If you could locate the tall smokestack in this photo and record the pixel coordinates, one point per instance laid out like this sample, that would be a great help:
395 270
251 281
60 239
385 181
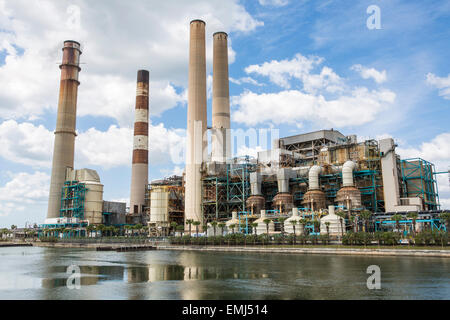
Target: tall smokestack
139 170
221 100
63 152
196 124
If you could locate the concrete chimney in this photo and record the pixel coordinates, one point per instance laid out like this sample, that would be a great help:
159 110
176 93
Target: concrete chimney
221 149
64 146
196 122
139 169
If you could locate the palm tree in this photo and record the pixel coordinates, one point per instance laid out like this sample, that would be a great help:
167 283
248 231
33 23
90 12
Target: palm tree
303 222
413 216
267 222
196 224
294 222
174 225
189 223
205 227
282 220
316 224
214 225
232 226
342 215
254 226
327 224
397 218
365 216
222 227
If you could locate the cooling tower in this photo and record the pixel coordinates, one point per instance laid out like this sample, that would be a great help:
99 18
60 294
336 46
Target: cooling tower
63 152
139 169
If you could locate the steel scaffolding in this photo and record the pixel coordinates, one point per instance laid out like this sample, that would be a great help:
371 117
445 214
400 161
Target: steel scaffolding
72 200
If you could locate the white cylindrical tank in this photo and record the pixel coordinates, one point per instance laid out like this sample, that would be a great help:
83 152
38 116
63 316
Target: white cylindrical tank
334 227
93 201
159 205
234 220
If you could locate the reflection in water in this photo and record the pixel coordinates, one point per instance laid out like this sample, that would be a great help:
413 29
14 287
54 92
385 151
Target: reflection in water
40 273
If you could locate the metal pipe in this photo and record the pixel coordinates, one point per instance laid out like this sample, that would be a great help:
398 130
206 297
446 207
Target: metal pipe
347 173
64 146
139 169
313 176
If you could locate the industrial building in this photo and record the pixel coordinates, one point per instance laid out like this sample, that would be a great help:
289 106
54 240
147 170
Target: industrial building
305 175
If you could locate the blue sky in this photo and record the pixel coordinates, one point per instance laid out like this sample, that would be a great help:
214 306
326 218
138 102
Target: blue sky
295 66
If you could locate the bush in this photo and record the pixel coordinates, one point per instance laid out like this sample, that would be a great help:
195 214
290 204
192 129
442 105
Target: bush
49 239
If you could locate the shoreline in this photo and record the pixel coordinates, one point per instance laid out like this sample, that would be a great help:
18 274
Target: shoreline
443 253
333 251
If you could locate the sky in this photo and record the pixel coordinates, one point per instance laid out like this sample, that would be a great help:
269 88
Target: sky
295 66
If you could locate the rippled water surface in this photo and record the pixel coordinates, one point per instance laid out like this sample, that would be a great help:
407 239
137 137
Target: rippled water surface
40 273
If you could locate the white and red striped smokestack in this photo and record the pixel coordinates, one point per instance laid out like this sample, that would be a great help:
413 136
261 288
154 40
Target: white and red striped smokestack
139 170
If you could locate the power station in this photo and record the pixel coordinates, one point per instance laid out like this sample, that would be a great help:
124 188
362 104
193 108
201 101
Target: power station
308 174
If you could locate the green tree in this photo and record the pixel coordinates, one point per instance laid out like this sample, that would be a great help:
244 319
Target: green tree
254 226
327 225
365 216
341 214
196 224
303 222
281 221
294 223
397 218
181 229
413 216
232 226
222 227
445 216
267 222
174 226
214 225
189 222
205 227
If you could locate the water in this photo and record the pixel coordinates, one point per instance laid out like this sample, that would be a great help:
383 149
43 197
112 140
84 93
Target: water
40 273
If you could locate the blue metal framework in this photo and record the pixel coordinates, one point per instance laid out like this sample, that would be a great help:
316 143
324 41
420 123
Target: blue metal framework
419 181
238 183
436 224
73 195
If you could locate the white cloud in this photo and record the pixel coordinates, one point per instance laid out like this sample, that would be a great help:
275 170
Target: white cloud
248 80
300 67
32 145
367 73
22 190
275 3
111 53
26 143
443 84
360 107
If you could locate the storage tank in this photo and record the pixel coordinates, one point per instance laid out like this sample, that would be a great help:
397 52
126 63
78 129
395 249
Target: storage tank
289 228
93 203
334 227
262 227
159 205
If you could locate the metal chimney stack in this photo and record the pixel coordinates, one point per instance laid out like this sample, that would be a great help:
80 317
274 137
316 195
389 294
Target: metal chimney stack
64 147
221 100
139 170
196 123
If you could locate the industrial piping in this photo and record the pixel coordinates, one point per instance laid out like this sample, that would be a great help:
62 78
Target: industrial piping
139 170
221 100
314 177
347 173
64 147
197 122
